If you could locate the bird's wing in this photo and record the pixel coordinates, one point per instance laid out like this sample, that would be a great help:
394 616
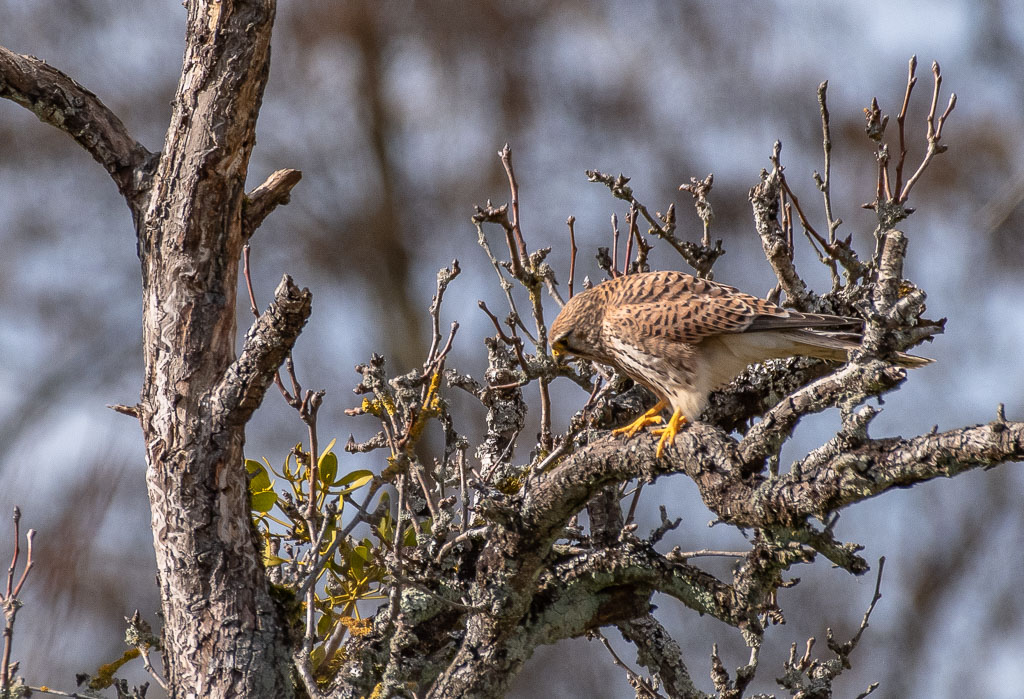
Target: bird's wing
678 307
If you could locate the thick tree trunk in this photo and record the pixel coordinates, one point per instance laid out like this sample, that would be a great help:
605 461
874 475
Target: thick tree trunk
221 633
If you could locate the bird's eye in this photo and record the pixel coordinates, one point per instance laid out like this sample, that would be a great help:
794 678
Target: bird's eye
559 346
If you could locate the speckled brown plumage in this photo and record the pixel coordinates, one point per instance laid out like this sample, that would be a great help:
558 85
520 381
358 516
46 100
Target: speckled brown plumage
682 337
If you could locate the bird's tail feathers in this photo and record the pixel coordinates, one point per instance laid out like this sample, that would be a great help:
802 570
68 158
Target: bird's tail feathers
836 347
912 361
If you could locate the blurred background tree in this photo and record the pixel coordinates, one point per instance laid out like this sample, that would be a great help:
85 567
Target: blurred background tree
394 112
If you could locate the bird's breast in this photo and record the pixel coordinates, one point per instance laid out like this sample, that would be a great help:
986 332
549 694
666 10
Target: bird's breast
672 372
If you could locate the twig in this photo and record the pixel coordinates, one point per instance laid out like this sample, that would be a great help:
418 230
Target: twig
764 199
665 527
59 693
787 191
614 269
545 414
362 515
129 410
824 182
901 121
506 286
467 535
310 407
934 133
661 655
437 364
9 600
632 505
620 189
833 249
642 246
313 553
289 365
274 192
556 453
787 223
572 253
518 251
308 413
289 398
700 189
302 665
430 593
638 682
444 277
148 666
630 227
248 281
497 324
701 258
850 645
871 688
709 552
463 494
514 342
425 481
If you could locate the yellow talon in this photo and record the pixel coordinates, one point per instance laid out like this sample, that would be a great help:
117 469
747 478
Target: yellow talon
669 431
651 417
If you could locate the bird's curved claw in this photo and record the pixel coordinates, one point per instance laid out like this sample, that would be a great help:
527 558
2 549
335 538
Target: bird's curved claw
669 431
651 417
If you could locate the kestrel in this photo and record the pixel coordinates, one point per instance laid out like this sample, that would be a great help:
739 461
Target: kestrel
682 337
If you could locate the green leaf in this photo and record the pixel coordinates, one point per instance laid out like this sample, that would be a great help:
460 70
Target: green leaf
384 527
327 449
356 563
324 625
260 482
355 481
327 468
271 560
259 479
264 500
288 473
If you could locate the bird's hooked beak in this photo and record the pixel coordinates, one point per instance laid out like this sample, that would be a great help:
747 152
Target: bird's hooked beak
560 347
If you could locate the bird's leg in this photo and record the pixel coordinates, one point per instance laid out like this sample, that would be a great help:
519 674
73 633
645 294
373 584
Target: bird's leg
669 431
651 417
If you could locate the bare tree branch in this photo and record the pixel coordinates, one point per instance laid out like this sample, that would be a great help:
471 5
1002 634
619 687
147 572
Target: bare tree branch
240 391
765 200
64 104
274 192
660 654
712 460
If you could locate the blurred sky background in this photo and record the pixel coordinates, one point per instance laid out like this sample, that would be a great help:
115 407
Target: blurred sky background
394 112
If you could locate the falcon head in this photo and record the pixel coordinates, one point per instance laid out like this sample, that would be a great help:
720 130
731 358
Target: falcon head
577 329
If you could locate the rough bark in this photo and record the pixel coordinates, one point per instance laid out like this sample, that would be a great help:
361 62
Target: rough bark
61 102
468 605
223 635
